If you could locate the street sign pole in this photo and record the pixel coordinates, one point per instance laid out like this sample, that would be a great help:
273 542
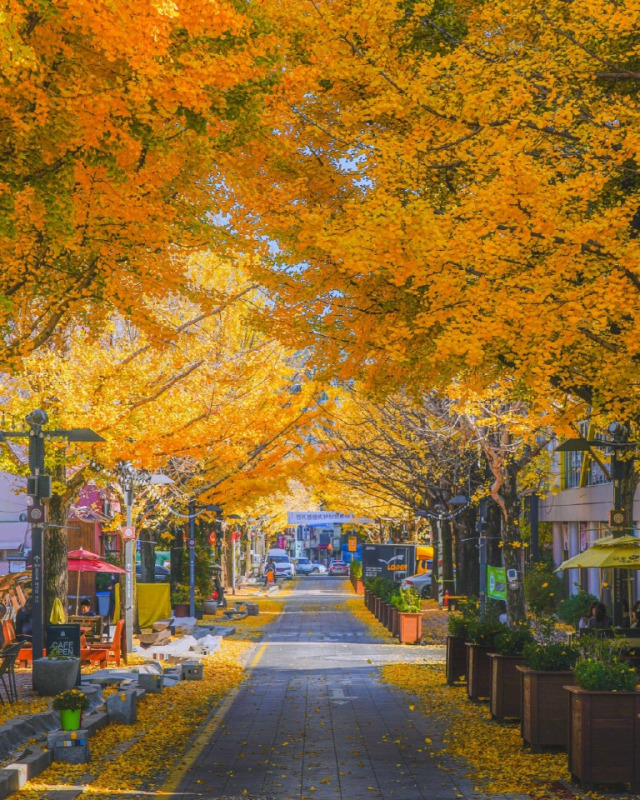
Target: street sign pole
192 558
36 465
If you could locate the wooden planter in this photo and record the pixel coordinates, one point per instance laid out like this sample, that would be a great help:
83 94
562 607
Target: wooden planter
358 585
409 627
544 707
395 623
604 737
478 671
376 607
506 693
456 659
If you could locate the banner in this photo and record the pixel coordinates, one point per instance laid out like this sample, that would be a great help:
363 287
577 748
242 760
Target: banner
324 518
392 561
496 583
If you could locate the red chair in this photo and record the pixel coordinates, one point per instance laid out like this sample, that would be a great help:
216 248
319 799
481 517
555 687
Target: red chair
114 647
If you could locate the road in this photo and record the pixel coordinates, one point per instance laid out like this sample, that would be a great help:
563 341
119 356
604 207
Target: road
314 721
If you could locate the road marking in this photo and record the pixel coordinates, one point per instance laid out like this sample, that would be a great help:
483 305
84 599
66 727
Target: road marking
338 696
209 727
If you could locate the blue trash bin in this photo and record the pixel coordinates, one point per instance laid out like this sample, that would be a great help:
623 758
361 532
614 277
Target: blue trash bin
103 603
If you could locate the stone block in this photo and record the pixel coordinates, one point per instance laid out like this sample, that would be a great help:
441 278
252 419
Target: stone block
22 772
72 747
152 684
36 761
253 609
9 782
123 707
95 721
192 671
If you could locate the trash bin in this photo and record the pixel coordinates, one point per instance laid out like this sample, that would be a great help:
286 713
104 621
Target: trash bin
103 603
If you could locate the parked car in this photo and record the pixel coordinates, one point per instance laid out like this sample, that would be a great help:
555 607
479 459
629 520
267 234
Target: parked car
421 583
338 568
305 566
162 573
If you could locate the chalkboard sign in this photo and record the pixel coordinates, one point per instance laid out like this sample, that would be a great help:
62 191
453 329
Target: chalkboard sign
63 640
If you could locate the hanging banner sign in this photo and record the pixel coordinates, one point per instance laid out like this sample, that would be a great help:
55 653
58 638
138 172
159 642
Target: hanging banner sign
324 518
496 583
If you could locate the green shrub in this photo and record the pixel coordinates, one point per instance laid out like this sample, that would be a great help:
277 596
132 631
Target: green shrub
543 589
355 569
550 657
511 641
572 608
408 602
484 630
607 676
459 621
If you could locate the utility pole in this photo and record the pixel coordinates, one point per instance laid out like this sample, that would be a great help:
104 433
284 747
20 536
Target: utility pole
192 558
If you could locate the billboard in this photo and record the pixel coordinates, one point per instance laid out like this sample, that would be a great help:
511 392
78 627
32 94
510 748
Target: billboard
391 561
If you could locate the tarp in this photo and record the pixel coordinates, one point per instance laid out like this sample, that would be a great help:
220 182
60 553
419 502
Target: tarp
154 603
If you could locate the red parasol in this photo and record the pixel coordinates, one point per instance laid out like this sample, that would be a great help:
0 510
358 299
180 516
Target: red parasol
85 561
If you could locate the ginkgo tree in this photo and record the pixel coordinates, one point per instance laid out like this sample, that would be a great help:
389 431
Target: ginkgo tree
224 409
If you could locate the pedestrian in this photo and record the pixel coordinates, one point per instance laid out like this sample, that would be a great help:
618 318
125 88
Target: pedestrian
270 573
24 622
583 624
85 609
600 621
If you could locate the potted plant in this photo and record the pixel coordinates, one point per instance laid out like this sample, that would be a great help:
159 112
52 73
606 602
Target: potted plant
409 621
547 668
71 703
355 571
604 717
506 693
482 633
180 599
458 624
54 673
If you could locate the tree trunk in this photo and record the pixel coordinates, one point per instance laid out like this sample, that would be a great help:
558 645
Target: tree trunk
55 555
447 557
467 557
147 561
435 573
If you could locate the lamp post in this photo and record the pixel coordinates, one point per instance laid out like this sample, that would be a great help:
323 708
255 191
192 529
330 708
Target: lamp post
39 488
130 480
193 512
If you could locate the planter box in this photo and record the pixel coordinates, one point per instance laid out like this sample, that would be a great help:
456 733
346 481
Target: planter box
51 676
478 671
544 707
456 659
358 585
604 737
376 607
506 692
409 627
395 622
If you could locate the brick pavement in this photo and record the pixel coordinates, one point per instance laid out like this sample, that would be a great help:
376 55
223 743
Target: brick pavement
314 721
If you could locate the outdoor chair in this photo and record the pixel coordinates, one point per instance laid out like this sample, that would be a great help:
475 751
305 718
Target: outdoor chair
25 652
114 647
8 656
96 654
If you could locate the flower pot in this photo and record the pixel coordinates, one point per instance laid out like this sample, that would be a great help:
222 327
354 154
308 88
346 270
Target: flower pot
478 671
506 690
604 737
70 719
544 707
456 659
409 627
51 676
181 610
209 607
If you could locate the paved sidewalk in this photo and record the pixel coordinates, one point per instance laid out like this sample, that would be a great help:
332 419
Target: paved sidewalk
314 721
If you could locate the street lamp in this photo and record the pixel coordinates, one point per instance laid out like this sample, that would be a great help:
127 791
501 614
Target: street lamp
131 479
39 488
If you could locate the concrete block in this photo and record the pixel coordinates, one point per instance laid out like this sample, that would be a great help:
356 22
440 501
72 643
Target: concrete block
9 782
72 747
152 684
95 722
252 609
192 671
123 707
36 760
22 771
51 676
